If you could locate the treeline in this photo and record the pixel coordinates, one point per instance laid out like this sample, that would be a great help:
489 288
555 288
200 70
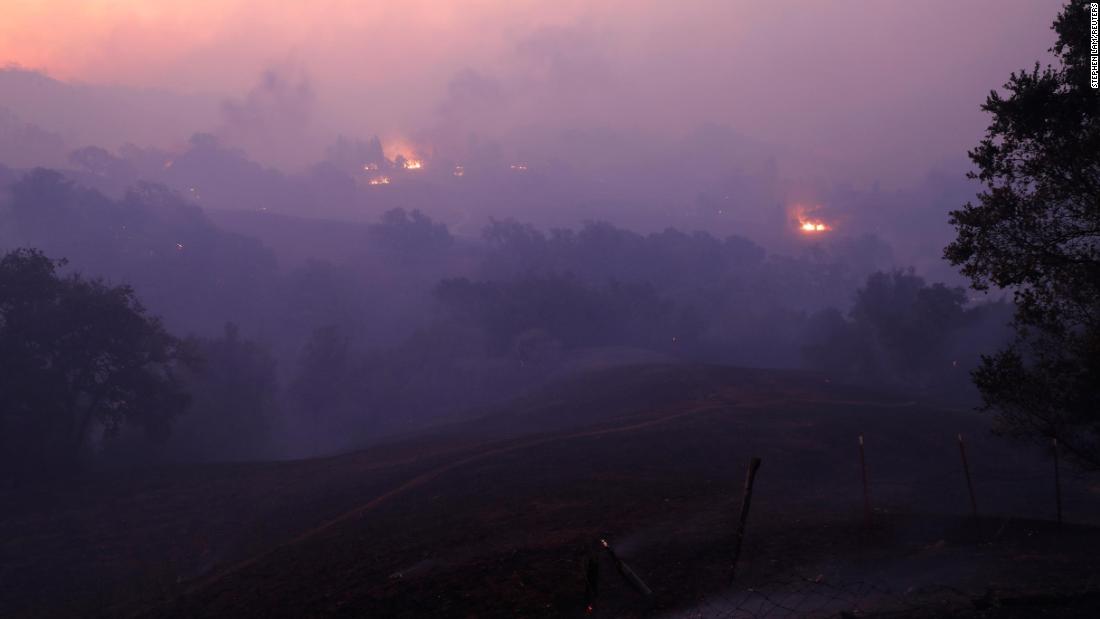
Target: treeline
902 333
419 325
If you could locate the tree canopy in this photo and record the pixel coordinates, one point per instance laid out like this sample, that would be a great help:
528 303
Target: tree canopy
1035 229
77 357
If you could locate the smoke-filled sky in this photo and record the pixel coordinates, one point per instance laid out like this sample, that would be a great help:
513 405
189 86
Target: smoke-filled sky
870 90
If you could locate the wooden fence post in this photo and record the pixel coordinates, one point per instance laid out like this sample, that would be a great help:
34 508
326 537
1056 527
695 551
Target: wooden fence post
969 483
591 581
746 501
1057 482
866 488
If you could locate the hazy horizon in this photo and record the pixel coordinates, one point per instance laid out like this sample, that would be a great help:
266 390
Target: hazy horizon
850 92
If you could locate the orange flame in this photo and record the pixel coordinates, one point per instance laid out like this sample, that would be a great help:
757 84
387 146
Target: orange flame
807 222
399 148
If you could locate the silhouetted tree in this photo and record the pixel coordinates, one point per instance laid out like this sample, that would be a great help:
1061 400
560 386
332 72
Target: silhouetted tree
830 342
77 356
569 311
322 389
410 234
672 260
911 320
235 400
905 332
1036 230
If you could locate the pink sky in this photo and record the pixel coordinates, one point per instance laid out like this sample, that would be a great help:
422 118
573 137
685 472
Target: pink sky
881 88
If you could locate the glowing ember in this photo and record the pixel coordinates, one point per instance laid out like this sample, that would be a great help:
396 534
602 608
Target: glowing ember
459 170
808 219
519 167
370 167
403 153
379 180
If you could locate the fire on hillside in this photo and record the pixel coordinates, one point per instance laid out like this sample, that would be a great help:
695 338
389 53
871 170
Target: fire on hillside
808 220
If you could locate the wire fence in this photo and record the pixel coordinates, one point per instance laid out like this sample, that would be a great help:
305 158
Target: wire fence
782 591
848 590
803 596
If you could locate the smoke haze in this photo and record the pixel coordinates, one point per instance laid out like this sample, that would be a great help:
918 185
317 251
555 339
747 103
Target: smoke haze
398 309
860 91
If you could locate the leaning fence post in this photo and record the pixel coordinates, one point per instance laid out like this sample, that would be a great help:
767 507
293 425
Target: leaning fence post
591 582
866 489
969 483
628 574
1057 482
746 501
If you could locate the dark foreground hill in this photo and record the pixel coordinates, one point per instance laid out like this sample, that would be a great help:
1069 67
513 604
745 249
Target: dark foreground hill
497 515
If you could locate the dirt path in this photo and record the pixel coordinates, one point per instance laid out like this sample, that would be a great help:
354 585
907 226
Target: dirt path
421 479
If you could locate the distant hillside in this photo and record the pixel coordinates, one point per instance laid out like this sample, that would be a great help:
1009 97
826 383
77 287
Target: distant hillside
108 116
